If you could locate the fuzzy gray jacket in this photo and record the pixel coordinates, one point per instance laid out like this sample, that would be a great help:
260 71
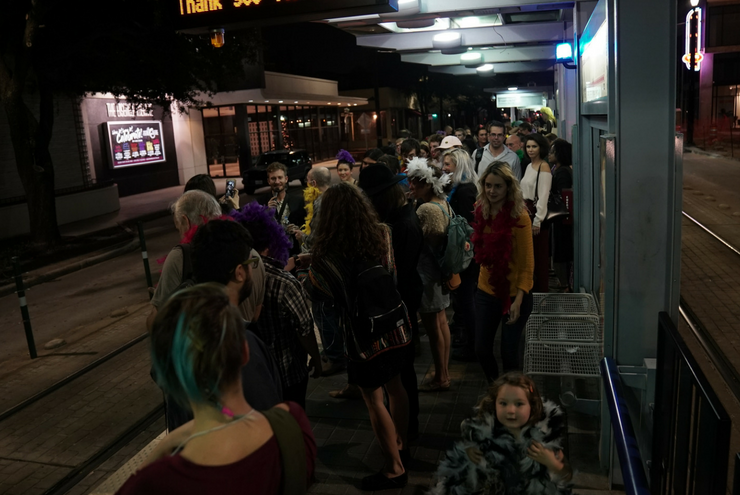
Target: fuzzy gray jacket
506 468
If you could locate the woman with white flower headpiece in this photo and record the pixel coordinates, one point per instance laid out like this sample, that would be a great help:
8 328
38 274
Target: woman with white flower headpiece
430 186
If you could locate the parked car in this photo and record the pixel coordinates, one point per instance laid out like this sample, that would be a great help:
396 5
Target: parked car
297 162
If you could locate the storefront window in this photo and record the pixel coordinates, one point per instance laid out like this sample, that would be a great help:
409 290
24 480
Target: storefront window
222 148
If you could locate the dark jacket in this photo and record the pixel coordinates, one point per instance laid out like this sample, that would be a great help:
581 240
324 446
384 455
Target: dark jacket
294 197
407 239
463 201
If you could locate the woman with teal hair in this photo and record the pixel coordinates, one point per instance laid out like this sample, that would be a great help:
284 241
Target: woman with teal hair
198 349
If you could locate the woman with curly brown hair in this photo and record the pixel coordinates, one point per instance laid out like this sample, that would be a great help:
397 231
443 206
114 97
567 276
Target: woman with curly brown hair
349 238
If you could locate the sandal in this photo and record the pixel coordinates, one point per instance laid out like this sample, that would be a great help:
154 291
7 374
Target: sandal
349 392
433 386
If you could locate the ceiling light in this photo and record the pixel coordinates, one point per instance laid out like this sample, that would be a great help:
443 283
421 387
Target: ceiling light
485 68
513 88
280 101
250 101
295 101
564 51
448 39
439 24
468 22
470 57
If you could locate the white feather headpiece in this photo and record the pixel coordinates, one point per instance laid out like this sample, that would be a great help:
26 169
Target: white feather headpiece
419 168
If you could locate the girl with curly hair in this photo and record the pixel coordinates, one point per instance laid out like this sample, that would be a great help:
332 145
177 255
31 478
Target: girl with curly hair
349 235
502 240
512 446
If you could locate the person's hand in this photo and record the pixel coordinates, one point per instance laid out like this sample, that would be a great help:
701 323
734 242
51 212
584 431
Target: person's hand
273 202
514 312
535 230
315 364
290 265
233 201
546 457
474 454
304 260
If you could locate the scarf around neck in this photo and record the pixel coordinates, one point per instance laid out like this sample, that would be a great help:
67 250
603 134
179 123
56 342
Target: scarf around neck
493 249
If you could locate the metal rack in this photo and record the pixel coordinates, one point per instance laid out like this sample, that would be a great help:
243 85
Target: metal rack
570 304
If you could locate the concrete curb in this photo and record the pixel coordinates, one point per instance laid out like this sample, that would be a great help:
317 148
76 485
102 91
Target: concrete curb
698 151
72 267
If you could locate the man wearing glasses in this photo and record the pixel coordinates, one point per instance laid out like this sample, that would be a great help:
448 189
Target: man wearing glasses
496 151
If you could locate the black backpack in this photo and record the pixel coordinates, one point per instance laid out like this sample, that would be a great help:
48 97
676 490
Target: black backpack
378 308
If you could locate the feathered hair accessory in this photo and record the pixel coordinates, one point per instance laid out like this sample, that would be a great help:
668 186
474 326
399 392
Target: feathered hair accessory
261 223
418 168
344 156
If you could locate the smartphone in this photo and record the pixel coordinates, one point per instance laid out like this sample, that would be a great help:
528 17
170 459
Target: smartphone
230 188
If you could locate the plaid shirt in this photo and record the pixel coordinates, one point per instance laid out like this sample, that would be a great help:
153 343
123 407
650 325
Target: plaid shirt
285 315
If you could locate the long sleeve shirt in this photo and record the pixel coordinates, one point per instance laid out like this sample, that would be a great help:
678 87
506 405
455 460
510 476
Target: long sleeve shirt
521 266
528 183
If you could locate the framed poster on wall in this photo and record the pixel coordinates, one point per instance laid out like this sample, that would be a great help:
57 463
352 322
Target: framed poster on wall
134 143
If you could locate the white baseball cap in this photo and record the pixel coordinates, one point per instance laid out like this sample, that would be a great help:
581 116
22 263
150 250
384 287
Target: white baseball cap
450 142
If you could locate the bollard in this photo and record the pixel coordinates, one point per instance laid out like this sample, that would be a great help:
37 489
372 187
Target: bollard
145 257
21 291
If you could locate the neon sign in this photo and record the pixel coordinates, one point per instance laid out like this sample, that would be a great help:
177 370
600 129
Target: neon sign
693 32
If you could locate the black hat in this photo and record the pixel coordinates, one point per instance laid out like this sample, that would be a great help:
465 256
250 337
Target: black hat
377 178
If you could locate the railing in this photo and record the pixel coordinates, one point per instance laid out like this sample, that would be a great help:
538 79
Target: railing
635 481
691 430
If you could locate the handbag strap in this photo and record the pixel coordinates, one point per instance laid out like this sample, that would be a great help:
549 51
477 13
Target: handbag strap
289 437
537 186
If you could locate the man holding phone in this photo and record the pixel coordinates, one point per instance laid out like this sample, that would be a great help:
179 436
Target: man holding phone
289 210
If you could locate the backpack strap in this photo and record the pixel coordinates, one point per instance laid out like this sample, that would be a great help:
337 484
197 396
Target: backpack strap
289 437
450 215
187 262
478 157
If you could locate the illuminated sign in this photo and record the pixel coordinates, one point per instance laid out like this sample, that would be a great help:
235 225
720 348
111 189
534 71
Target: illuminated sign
693 33
199 16
135 143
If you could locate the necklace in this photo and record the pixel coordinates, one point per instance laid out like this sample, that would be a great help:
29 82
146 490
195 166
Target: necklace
215 428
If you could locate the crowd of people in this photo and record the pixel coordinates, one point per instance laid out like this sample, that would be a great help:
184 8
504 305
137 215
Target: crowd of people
363 260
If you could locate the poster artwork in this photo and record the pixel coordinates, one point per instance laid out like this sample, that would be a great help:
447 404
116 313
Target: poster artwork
135 143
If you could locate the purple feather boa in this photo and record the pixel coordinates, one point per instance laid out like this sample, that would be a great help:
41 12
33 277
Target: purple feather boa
260 221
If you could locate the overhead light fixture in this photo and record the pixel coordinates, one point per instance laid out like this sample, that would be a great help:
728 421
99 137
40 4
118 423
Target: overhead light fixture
295 101
485 68
417 26
448 39
280 101
564 52
513 88
471 60
468 22
694 3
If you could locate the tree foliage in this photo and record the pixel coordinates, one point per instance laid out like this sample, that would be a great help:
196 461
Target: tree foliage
127 48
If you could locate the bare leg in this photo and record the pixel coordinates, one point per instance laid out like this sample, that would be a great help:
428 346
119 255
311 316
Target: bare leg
385 430
399 403
431 322
444 330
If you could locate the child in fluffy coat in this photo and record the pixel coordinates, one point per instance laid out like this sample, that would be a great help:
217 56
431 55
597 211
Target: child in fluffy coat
513 446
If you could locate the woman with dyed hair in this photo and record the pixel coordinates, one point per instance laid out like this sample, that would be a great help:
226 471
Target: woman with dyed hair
198 350
345 164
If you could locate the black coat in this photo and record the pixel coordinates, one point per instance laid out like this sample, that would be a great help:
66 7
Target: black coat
463 201
562 235
407 238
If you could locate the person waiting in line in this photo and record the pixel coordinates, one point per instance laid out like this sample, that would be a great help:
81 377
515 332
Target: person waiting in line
481 138
496 151
350 235
424 150
525 128
514 143
232 445
193 208
287 204
222 253
448 130
318 180
561 159
536 185
371 157
285 324
502 242
430 186
393 209
409 149
462 199
434 142
345 164
460 133
469 145
203 182
448 143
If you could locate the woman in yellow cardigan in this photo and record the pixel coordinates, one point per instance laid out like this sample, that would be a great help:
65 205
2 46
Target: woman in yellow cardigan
503 247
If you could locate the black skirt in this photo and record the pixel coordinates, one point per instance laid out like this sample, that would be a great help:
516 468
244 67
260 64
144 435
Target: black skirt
379 370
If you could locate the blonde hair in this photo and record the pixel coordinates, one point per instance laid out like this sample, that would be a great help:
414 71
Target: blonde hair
513 191
464 171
